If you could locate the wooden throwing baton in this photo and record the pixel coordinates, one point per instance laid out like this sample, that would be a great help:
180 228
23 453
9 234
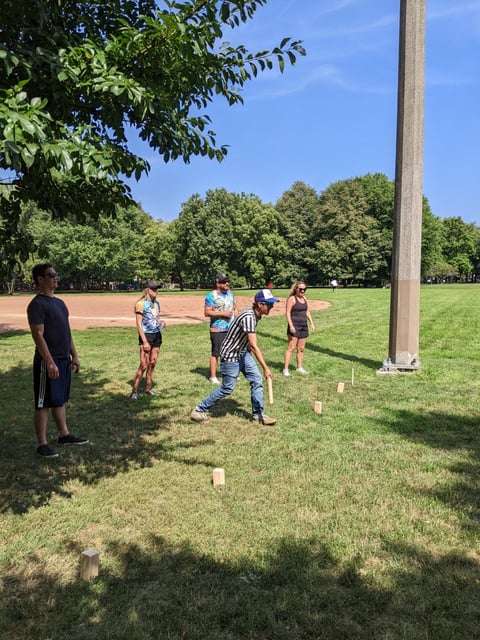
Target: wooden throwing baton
270 390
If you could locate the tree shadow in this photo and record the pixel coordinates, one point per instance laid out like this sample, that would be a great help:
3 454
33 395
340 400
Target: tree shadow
122 433
7 332
447 432
298 592
203 372
311 347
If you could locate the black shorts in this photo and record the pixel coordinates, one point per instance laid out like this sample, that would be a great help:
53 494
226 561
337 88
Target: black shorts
51 393
153 339
217 338
301 332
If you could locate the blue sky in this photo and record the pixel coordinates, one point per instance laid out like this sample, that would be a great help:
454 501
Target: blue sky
333 115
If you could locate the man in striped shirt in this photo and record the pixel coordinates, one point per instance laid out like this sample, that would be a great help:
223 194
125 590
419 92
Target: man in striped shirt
237 356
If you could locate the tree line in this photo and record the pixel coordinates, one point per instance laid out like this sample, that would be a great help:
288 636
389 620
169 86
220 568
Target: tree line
345 232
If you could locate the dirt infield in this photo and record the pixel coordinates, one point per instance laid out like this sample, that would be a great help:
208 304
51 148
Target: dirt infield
116 310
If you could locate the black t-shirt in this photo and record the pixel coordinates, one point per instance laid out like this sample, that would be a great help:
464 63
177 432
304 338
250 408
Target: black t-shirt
53 314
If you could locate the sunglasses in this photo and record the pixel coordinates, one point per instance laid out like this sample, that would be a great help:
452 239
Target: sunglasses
302 290
51 274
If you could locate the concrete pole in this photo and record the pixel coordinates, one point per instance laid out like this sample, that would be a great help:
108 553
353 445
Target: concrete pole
405 291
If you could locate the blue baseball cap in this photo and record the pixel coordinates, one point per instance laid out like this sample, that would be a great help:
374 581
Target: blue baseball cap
265 296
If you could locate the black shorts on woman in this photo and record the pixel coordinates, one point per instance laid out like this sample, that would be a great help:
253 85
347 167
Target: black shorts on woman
301 332
153 339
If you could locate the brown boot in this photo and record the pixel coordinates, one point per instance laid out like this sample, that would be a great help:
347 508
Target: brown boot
265 420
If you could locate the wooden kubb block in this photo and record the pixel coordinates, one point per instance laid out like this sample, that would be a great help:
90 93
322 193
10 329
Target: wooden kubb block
89 562
340 387
318 407
218 477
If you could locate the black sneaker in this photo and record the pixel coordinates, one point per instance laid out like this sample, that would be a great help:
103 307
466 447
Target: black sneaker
71 439
46 452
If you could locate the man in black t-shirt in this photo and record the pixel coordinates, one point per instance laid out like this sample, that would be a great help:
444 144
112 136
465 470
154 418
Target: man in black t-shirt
55 354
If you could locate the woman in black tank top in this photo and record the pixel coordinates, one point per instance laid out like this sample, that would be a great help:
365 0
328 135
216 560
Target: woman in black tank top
298 317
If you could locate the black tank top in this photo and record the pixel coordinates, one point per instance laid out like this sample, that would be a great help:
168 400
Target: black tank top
299 313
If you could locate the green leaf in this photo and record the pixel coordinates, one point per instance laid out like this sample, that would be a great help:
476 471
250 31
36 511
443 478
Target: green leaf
27 157
116 90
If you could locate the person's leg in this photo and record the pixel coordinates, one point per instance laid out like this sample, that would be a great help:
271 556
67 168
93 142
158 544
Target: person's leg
216 339
154 351
40 421
249 368
60 416
65 437
213 362
213 367
230 372
292 343
53 393
140 371
300 349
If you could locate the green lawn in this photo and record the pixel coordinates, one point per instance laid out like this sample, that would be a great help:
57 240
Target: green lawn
359 523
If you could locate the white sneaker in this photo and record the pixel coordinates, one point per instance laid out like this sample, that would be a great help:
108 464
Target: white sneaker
286 373
214 380
301 370
199 416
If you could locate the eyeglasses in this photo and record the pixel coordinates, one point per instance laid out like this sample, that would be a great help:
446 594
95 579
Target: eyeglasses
224 282
51 274
302 290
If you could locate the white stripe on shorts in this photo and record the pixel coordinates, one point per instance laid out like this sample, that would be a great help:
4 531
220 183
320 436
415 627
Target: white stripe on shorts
43 384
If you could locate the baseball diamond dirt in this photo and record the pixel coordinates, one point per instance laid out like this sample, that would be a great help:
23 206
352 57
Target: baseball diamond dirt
116 310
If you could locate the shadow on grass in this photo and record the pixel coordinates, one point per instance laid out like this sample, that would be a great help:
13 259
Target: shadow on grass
300 592
203 372
448 432
123 435
312 347
6 332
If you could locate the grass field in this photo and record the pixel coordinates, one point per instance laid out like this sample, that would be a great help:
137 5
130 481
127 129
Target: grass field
359 523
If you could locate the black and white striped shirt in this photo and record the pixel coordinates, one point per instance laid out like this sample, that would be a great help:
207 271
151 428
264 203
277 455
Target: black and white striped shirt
236 340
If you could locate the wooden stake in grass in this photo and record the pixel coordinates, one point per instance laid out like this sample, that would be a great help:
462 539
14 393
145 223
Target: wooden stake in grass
218 477
340 387
270 390
353 376
89 564
318 406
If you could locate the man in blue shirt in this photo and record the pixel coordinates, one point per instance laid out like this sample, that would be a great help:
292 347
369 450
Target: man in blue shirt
220 307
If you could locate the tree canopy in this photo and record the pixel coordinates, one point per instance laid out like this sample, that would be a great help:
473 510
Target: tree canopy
344 232
77 78
229 232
